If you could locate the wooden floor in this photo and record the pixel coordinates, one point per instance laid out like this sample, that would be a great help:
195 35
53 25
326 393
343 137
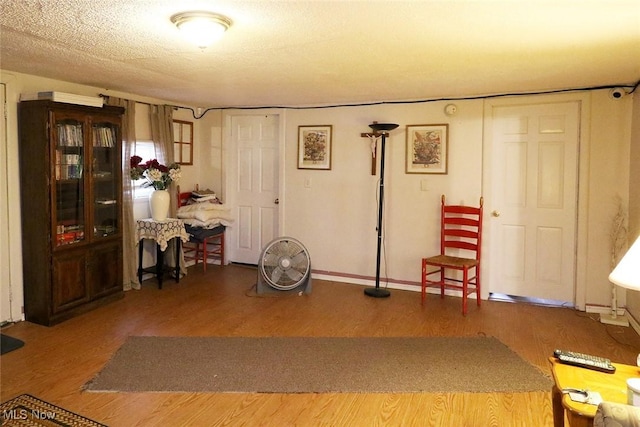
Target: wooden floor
57 361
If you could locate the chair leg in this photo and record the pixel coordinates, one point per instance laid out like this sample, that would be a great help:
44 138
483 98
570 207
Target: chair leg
478 285
442 278
222 250
465 284
424 279
204 255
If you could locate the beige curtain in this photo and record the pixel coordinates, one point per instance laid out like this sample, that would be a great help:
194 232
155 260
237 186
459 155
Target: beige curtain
129 253
161 118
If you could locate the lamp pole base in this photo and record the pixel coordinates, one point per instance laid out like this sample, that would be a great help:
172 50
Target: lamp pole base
617 320
377 293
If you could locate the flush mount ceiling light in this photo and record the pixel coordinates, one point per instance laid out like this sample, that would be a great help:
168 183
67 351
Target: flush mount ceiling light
201 28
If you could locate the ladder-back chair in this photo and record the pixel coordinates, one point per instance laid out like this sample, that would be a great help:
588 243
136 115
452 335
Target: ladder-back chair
460 251
204 244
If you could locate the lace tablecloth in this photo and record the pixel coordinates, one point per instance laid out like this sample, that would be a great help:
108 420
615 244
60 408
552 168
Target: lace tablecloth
161 231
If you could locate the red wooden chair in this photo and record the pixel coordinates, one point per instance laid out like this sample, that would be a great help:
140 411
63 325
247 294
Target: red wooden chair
460 233
203 243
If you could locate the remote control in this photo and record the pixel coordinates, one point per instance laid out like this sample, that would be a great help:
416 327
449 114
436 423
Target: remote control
585 361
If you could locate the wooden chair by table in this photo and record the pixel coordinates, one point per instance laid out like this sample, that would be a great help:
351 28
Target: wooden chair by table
205 244
460 233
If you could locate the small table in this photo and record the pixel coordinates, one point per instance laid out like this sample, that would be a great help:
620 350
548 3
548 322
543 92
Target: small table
612 388
162 232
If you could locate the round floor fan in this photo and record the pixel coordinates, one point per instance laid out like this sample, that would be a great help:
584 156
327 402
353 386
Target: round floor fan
284 266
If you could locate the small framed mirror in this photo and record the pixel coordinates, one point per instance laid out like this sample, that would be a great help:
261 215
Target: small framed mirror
183 142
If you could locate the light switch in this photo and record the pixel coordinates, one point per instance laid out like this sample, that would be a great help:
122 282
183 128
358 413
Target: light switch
424 185
307 183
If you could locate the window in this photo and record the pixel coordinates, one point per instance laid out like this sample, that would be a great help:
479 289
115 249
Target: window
146 150
183 142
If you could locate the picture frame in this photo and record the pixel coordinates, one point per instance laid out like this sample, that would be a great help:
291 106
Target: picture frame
314 147
427 150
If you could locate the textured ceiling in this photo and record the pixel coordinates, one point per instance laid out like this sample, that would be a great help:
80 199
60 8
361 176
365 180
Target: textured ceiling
302 53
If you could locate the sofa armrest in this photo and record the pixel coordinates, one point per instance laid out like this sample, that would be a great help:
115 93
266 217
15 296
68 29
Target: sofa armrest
611 414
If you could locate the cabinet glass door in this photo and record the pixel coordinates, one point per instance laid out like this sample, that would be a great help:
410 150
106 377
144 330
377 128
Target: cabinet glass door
68 199
105 166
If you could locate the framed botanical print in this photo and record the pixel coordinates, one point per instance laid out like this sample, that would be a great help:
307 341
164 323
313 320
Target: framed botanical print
427 148
314 147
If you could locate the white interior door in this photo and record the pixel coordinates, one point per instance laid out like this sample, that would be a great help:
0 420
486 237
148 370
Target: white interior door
533 212
253 184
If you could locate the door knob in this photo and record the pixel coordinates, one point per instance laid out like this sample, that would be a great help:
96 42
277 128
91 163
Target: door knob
495 213
276 201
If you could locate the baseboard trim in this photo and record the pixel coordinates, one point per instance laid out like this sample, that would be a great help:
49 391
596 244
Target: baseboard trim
385 283
602 309
633 322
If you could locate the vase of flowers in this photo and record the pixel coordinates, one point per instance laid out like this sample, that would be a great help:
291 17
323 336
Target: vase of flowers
159 177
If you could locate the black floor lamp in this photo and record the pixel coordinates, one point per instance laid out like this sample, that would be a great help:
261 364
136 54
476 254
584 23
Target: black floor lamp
381 129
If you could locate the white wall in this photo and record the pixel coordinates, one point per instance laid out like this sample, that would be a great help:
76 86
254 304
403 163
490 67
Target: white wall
336 217
10 247
633 304
610 129
208 157
206 170
10 218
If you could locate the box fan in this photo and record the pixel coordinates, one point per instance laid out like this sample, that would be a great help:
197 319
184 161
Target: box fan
284 266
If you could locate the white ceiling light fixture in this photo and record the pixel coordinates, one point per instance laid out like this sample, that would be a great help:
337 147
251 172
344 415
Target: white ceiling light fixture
200 27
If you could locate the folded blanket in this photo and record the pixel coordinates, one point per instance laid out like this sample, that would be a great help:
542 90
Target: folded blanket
206 224
204 198
199 234
206 213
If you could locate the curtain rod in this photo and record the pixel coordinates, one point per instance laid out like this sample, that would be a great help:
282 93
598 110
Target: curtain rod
175 107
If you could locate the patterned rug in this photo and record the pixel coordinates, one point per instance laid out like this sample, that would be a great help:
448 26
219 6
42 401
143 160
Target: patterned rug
26 410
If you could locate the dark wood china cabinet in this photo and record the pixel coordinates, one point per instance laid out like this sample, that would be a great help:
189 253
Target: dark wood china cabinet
71 206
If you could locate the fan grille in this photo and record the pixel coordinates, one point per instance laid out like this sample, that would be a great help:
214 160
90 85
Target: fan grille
285 262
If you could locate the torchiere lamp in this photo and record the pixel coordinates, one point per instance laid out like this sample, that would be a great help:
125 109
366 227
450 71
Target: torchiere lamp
627 272
380 129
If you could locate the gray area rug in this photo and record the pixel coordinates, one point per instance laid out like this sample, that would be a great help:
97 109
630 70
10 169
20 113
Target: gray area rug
317 365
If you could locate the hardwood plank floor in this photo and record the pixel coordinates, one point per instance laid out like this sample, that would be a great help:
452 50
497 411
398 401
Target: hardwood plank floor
57 361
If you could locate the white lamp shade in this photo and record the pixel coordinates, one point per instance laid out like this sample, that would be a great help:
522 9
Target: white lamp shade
627 272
